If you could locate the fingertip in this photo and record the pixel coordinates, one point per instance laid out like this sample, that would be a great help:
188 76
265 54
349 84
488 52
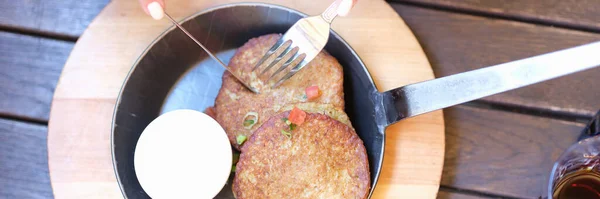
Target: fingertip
155 10
345 7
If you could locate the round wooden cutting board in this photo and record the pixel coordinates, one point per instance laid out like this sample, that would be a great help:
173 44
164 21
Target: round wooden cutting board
80 122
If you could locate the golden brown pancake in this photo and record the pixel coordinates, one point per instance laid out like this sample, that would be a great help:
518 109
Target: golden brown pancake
234 101
323 158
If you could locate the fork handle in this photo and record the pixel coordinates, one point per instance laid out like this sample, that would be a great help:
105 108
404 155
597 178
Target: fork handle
338 7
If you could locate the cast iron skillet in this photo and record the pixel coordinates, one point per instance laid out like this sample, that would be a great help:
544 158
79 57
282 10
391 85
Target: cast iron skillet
174 73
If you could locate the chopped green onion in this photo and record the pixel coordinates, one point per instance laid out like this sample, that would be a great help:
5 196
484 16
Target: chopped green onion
286 120
289 123
251 121
236 158
286 134
304 97
248 122
241 139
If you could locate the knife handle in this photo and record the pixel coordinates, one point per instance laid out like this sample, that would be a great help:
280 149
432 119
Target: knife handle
423 97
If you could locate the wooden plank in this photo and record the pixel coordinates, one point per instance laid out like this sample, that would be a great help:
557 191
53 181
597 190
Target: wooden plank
23 161
457 43
454 195
28 74
503 153
65 17
581 14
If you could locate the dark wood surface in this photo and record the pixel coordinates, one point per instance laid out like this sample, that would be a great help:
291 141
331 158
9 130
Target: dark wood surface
453 195
575 14
503 153
36 38
65 19
30 69
23 160
499 147
457 43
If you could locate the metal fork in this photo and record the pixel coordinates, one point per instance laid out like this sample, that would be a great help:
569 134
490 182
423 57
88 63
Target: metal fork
303 41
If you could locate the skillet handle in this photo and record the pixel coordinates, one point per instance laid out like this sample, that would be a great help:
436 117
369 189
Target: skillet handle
423 97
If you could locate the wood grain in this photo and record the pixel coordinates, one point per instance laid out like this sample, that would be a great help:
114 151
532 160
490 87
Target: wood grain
457 43
581 14
28 74
414 149
23 160
65 18
89 166
455 195
503 153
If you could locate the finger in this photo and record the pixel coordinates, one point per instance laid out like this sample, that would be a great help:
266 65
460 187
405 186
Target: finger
346 6
154 8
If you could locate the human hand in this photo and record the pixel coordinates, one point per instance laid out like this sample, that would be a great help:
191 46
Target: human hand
154 8
345 7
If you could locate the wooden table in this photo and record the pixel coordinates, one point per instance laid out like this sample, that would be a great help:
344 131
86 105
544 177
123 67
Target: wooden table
500 146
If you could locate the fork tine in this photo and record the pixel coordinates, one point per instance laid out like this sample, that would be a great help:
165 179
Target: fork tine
287 63
269 53
292 72
279 58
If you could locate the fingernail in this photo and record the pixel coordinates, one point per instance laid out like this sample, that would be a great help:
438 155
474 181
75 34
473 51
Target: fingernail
345 7
155 10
